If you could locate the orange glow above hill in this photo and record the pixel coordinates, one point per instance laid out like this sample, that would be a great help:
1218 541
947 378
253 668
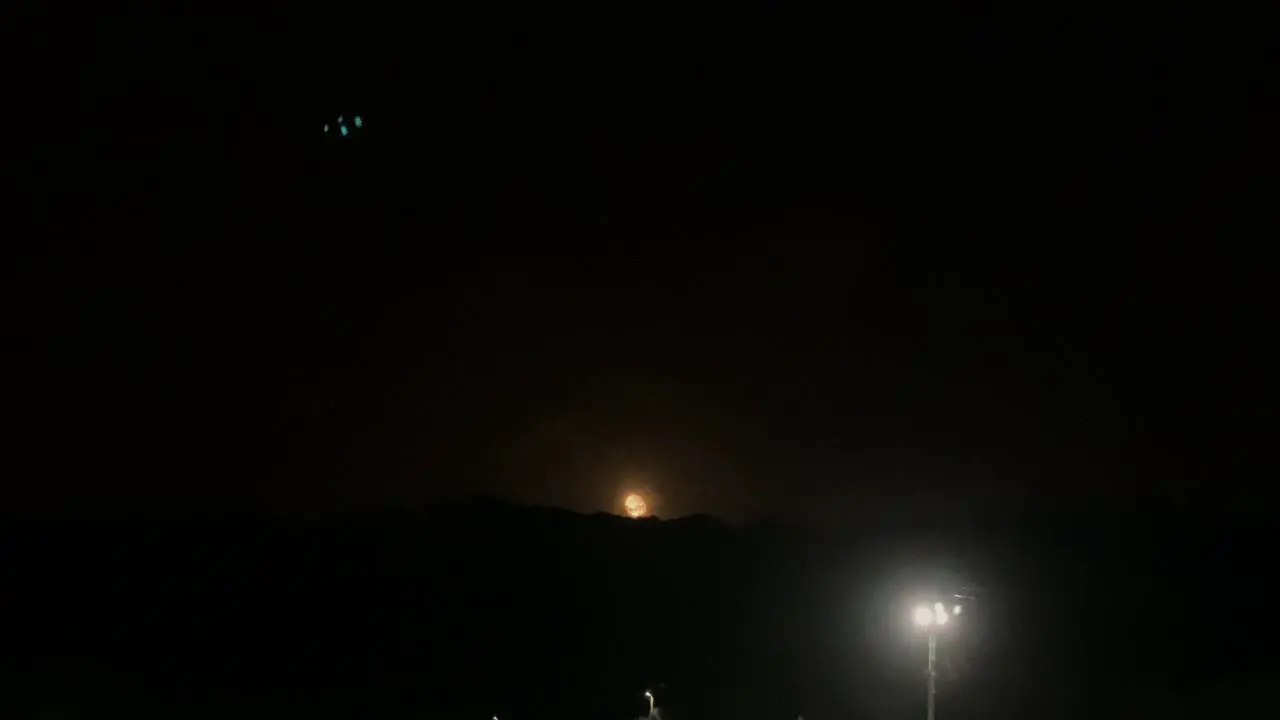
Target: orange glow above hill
635 506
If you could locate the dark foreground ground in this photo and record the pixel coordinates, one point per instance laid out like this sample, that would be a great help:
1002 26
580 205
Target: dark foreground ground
479 609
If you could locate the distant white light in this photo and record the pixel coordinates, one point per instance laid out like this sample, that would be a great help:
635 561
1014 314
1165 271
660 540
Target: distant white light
923 616
339 119
939 614
326 127
956 610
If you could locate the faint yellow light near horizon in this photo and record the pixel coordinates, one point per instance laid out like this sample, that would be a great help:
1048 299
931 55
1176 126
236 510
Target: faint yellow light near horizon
635 505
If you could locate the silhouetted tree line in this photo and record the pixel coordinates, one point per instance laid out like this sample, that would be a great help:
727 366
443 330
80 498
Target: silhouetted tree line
481 608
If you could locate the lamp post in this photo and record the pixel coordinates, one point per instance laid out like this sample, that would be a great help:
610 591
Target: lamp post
931 620
649 695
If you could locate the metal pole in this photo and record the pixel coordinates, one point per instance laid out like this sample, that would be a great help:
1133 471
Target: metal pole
933 672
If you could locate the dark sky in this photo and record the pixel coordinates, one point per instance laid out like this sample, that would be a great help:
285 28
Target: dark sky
757 263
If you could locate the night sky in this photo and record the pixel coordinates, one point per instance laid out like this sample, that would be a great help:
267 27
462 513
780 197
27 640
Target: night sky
758 265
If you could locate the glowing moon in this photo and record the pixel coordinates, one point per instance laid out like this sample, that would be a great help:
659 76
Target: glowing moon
635 506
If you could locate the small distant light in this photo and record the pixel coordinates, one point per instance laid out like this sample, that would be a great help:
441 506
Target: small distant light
326 127
359 122
957 610
339 119
343 128
924 616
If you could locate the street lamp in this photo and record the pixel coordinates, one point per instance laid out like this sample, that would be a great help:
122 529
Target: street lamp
650 696
931 620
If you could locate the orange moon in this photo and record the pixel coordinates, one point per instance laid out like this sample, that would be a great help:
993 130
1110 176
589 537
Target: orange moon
635 506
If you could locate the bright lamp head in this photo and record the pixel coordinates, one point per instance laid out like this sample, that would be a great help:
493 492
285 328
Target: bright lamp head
940 614
923 616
